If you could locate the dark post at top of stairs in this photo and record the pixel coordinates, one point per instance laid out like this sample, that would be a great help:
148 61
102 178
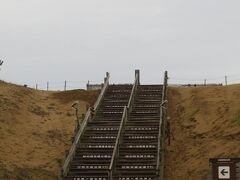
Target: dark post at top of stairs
137 75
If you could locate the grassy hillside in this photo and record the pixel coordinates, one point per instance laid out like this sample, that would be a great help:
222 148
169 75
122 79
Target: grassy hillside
205 124
36 129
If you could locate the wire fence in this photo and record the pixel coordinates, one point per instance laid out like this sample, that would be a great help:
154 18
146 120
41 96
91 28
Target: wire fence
173 80
60 85
220 80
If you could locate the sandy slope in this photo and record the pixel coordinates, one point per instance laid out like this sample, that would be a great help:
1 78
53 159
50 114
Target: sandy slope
36 129
206 123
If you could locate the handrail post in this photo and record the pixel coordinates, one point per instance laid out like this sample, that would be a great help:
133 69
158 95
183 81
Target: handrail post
161 133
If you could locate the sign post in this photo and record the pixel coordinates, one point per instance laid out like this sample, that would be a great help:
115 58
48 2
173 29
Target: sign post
225 168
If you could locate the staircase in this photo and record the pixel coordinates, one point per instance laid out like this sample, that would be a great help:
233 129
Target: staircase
138 149
124 138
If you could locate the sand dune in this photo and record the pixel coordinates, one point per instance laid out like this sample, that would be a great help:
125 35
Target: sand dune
36 128
205 124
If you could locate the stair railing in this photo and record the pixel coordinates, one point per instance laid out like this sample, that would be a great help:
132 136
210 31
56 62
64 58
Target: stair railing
134 89
125 117
161 131
78 135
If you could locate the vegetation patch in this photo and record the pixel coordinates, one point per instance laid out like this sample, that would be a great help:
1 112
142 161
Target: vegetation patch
191 114
1 81
25 173
236 118
6 104
32 173
37 110
4 173
54 134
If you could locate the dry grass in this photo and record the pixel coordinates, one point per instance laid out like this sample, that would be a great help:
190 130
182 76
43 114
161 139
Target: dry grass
70 96
36 128
206 124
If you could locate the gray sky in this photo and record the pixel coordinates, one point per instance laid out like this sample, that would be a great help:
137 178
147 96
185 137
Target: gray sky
77 40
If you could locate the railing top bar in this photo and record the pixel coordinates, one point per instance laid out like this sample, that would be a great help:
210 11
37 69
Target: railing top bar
118 137
133 89
102 92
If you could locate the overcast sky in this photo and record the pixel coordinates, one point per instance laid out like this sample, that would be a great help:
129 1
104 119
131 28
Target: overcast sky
79 40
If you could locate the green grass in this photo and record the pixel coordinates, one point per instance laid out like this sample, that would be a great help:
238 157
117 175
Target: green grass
236 118
191 114
194 112
4 173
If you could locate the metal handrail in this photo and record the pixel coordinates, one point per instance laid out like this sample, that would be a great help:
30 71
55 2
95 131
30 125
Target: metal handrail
81 130
116 146
131 99
161 131
106 83
124 119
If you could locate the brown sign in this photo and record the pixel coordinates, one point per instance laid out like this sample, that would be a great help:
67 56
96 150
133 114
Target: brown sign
225 168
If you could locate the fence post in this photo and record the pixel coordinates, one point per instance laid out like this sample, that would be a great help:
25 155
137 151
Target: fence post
105 79
226 80
205 82
65 85
88 83
47 86
36 86
1 63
